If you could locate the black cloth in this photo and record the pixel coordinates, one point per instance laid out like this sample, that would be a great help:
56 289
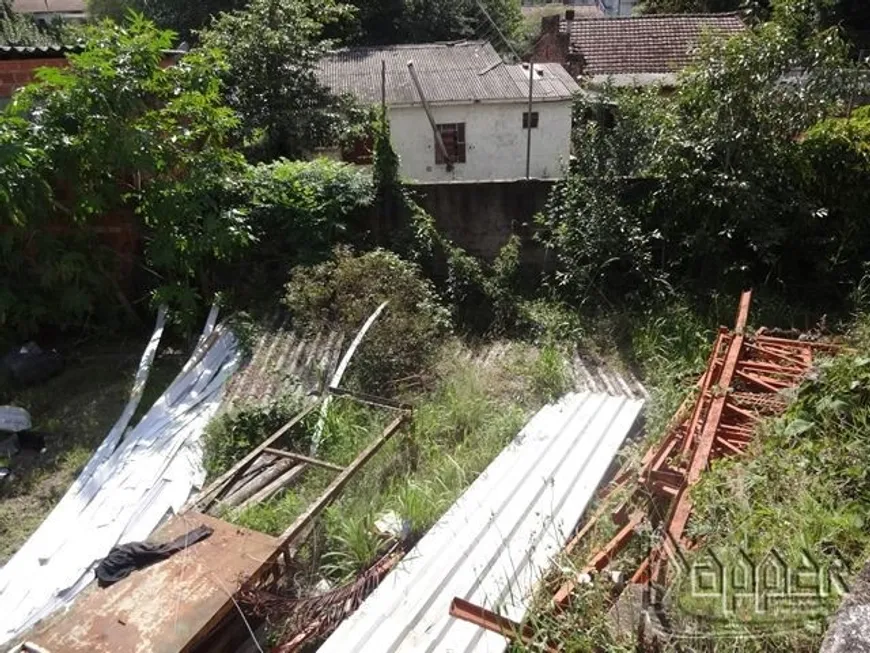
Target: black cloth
124 559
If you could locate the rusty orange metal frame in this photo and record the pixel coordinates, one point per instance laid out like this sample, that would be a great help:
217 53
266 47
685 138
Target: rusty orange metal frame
741 385
467 611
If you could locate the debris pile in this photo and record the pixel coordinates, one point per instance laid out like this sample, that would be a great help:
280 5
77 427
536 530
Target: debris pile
303 620
742 385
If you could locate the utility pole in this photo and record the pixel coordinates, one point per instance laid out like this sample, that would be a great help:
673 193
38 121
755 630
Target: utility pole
438 140
383 91
529 122
531 88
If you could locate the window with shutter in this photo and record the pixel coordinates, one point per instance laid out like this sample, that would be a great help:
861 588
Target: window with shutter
453 137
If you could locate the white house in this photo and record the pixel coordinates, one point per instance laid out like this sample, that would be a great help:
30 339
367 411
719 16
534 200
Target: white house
478 103
47 11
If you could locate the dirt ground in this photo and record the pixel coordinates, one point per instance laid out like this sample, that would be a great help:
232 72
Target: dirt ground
75 411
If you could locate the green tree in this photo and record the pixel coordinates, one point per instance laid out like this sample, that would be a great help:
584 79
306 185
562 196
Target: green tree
725 202
272 49
115 135
420 21
185 18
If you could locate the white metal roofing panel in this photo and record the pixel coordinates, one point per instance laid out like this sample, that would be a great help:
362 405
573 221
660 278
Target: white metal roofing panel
499 538
135 478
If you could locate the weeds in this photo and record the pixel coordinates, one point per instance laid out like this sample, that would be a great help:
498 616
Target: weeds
233 434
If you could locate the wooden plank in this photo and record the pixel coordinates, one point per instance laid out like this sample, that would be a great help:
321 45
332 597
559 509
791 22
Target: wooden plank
217 489
304 459
272 488
330 493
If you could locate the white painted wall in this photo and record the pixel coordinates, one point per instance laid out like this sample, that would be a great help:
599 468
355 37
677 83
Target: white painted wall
495 141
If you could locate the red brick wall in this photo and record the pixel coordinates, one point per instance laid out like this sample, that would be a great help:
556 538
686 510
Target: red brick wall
15 73
553 47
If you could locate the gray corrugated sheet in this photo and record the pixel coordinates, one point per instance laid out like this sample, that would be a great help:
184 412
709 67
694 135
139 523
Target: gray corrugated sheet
468 71
497 541
37 51
49 6
284 362
588 373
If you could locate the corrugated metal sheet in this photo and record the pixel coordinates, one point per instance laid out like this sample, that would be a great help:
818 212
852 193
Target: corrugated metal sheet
134 479
49 6
499 538
468 71
283 362
37 51
588 373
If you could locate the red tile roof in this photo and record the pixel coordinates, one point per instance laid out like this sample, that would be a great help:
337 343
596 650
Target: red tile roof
645 44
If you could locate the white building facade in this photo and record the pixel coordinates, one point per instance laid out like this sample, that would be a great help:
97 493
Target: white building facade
478 103
494 141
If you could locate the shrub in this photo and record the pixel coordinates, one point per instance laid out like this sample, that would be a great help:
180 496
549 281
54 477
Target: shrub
298 210
231 435
343 292
116 136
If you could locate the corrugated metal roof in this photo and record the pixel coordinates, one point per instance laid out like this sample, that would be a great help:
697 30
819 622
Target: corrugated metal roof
588 373
499 538
468 71
284 362
37 51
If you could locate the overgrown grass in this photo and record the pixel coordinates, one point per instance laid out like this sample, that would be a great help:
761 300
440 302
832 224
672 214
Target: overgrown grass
458 427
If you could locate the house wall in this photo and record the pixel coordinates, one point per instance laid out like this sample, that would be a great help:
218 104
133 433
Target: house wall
495 141
15 73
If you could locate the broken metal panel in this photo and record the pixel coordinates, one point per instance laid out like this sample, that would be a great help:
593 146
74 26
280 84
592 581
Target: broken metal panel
495 543
136 477
167 607
284 362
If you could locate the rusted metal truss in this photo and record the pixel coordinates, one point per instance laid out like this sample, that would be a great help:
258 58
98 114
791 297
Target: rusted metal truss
742 385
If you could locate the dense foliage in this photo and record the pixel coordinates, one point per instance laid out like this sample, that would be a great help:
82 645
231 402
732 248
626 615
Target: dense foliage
182 17
422 21
297 210
115 139
729 194
233 434
343 292
272 48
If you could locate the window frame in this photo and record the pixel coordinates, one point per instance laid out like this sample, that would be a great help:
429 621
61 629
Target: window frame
536 119
456 140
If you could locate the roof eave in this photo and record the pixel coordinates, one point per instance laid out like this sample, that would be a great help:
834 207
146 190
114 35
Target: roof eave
454 103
